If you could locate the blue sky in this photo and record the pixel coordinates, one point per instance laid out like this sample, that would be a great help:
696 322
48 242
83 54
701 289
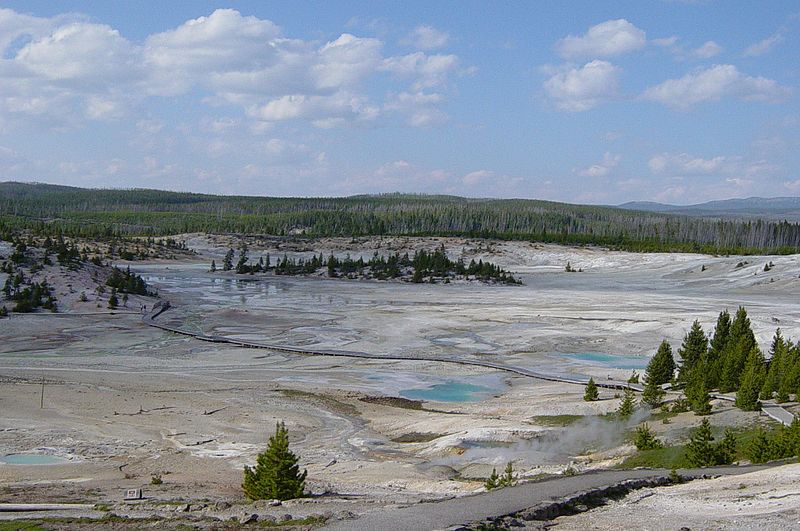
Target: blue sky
589 102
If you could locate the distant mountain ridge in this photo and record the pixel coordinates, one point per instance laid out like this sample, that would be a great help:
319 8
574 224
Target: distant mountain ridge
773 208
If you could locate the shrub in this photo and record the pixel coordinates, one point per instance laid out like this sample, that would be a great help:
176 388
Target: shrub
645 440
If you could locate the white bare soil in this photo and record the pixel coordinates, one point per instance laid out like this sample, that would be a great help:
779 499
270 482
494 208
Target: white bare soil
124 402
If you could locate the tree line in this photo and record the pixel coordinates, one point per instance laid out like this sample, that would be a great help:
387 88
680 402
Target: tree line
422 265
48 209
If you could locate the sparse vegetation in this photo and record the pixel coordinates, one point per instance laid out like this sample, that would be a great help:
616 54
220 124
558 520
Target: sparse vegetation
645 440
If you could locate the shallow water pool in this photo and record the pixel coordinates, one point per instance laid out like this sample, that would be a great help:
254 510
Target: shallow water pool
449 392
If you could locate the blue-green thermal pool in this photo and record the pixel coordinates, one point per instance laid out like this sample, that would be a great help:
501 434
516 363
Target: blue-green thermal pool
449 392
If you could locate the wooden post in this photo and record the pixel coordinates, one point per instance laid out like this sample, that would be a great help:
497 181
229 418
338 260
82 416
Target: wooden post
41 400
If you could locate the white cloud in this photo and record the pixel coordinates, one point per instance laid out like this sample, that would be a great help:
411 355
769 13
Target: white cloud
610 38
425 71
426 38
150 126
666 42
794 186
685 163
714 83
476 177
345 62
707 50
602 168
579 89
16 26
763 46
64 71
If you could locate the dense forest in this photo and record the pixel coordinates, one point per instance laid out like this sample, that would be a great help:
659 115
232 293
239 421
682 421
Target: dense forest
50 209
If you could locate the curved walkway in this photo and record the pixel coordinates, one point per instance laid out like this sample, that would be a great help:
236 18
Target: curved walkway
771 409
510 500
160 308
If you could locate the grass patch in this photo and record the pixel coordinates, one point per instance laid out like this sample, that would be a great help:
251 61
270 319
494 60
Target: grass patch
556 420
330 402
669 457
312 521
417 437
21 525
394 401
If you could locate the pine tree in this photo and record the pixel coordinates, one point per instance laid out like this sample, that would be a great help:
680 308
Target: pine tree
661 367
693 349
760 448
752 382
507 479
493 481
227 262
113 301
591 394
213 266
700 451
715 349
627 404
697 392
241 265
653 393
777 366
734 356
645 440
725 451
276 474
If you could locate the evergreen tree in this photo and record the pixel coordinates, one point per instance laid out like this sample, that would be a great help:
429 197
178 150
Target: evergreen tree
777 366
507 479
760 448
700 450
627 404
734 357
645 440
725 452
227 262
493 481
715 349
591 394
693 349
213 266
696 390
653 393
752 382
661 368
276 474
241 265
113 301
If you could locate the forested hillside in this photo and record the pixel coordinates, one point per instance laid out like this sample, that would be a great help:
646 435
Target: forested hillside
65 210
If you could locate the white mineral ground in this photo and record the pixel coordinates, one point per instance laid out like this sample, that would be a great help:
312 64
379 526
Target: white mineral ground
124 401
